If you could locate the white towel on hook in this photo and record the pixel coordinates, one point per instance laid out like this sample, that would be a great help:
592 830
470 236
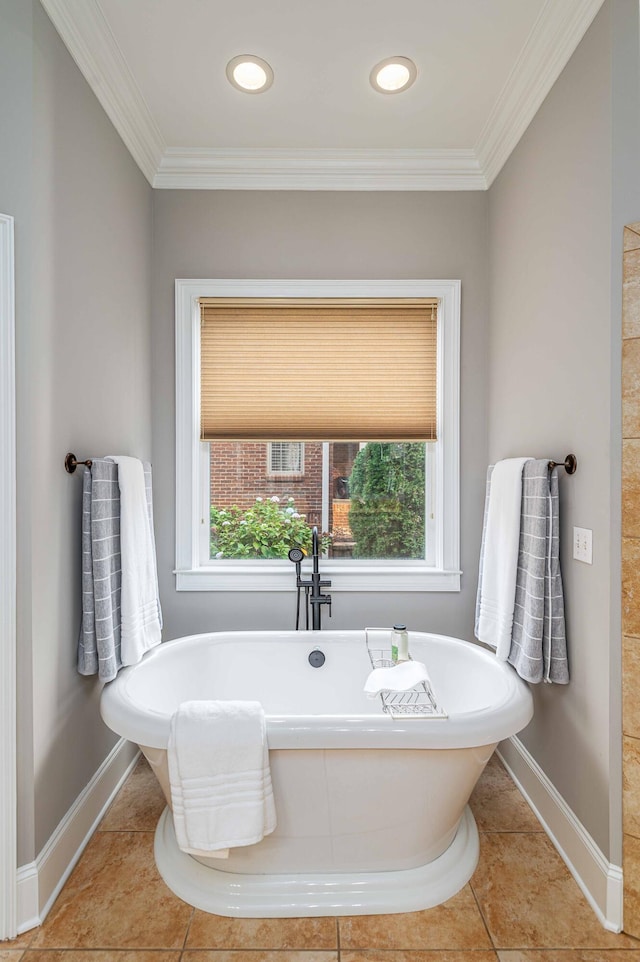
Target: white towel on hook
141 626
499 557
221 792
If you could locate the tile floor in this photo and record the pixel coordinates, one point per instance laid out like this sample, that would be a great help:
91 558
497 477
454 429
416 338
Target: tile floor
521 905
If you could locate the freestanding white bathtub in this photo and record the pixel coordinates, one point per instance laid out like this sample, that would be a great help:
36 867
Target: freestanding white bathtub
372 810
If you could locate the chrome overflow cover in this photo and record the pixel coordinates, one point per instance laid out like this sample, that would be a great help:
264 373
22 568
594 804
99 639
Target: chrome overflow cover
317 659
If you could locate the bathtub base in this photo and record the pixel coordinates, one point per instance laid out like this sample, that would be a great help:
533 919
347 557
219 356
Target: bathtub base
299 896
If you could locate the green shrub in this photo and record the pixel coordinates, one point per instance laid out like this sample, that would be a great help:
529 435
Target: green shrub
387 487
268 529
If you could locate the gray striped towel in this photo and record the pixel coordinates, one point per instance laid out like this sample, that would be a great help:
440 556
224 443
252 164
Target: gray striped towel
539 646
99 641
538 649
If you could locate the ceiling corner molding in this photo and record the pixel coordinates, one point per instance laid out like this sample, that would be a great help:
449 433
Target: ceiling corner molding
202 168
557 32
554 37
88 38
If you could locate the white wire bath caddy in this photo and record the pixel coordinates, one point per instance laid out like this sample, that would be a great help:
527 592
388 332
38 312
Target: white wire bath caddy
417 702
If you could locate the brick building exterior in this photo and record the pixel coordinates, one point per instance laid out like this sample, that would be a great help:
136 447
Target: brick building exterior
242 471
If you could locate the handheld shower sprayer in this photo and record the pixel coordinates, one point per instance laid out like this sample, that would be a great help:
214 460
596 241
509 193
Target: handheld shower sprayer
296 555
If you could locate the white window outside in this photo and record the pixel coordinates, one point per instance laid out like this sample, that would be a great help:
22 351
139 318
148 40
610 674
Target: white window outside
196 569
286 457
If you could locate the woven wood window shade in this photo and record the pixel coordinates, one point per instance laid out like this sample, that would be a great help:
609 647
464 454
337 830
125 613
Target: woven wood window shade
318 369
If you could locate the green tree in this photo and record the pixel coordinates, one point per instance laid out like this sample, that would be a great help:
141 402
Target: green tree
387 487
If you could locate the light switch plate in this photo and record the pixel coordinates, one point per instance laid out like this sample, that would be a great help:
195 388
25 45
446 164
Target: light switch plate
583 545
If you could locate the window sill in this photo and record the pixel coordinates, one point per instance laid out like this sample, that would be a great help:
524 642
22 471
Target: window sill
285 475
274 576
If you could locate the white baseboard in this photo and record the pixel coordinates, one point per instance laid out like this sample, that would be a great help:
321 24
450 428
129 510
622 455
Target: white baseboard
599 880
39 882
28 914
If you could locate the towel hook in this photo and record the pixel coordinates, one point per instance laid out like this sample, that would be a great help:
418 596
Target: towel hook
570 464
70 463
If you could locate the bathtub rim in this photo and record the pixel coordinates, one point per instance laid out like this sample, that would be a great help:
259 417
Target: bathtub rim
286 731
314 895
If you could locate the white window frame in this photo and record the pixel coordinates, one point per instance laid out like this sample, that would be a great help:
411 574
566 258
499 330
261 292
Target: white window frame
441 573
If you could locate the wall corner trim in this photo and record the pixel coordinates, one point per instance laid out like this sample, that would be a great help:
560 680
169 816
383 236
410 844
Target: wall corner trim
8 752
40 882
599 879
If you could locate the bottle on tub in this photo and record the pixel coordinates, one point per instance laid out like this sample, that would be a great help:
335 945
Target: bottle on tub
399 644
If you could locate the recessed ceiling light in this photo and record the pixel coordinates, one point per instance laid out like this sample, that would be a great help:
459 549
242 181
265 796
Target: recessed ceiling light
250 74
392 75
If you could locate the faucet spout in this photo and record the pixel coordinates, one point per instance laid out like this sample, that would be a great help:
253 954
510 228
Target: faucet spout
317 598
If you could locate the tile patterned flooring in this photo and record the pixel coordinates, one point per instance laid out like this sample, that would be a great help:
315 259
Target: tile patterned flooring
521 905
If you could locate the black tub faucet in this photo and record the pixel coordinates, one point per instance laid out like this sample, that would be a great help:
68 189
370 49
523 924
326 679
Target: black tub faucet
312 587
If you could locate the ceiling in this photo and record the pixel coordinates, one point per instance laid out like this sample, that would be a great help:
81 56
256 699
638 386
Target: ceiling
484 68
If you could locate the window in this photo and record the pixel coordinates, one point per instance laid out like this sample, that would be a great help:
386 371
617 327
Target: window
368 499
285 457
428 561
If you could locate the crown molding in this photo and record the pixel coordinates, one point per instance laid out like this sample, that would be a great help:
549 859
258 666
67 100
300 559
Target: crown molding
88 38
553 39
318 169
556 33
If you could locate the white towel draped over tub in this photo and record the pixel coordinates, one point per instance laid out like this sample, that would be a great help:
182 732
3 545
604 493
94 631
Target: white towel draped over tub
100 645
536 646
221 792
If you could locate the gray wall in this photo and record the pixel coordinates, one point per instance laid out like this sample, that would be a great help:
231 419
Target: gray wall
321 235
90 378
83 382
554 388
